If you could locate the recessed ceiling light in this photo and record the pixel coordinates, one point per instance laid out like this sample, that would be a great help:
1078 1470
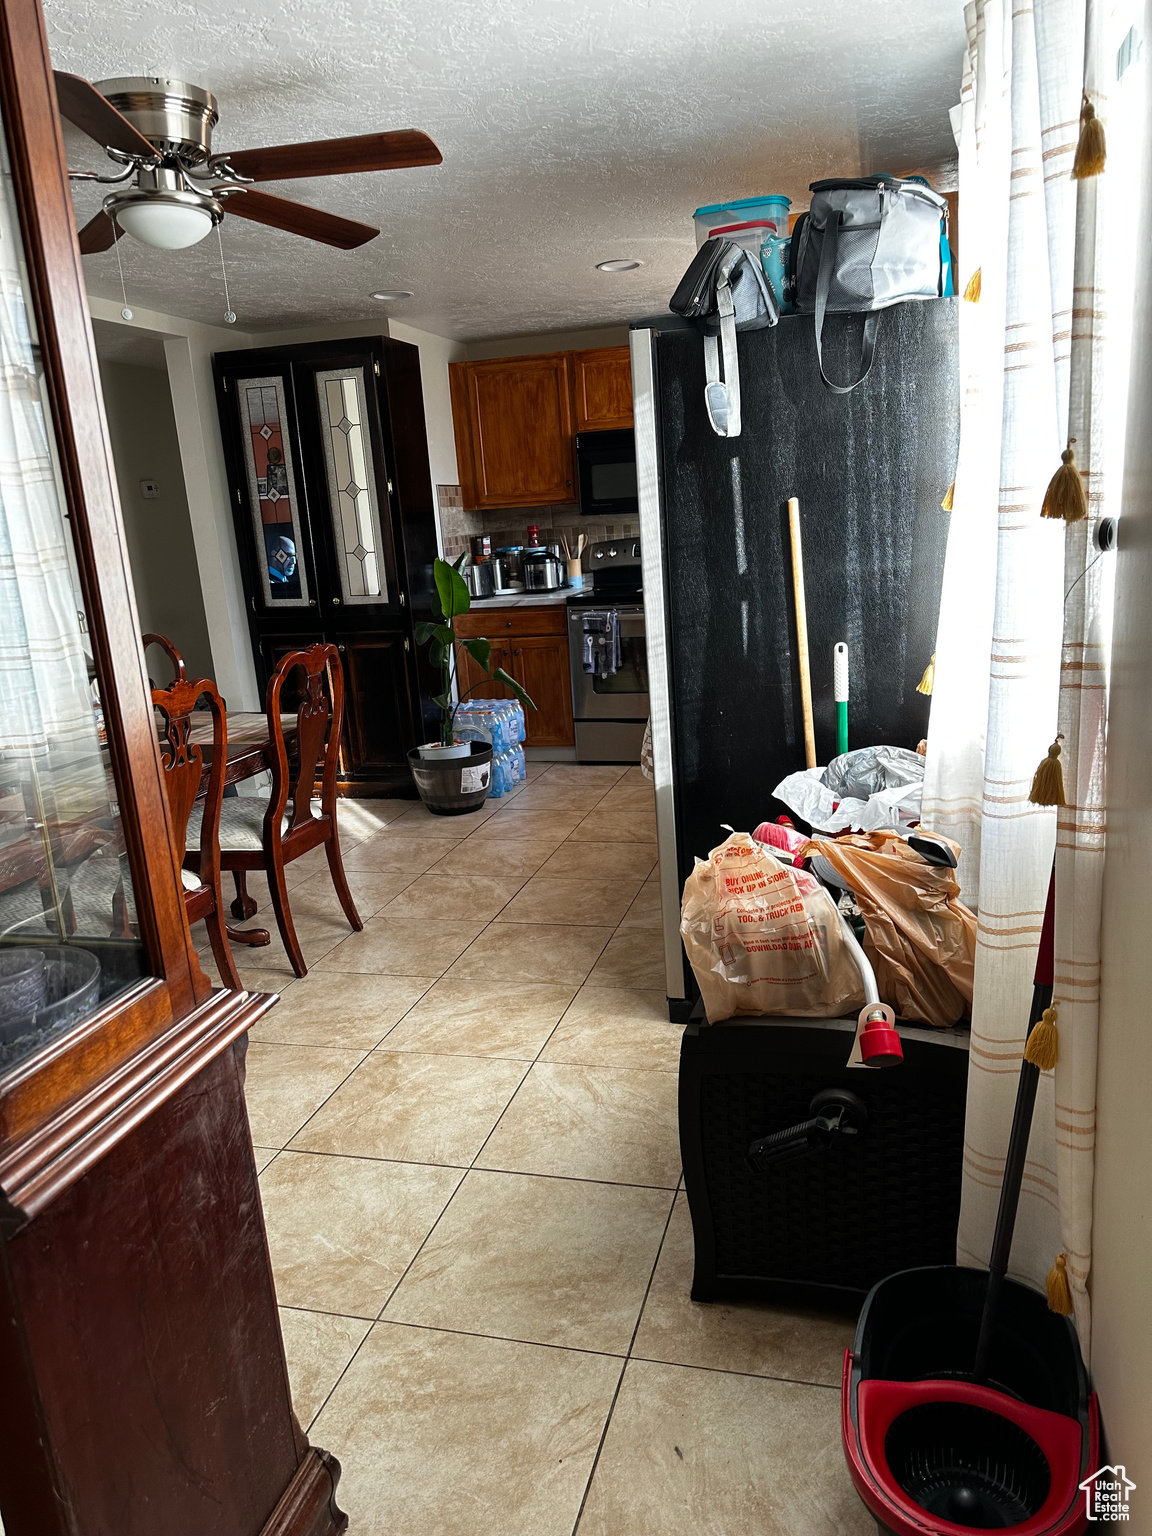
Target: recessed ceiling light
388 294
619 264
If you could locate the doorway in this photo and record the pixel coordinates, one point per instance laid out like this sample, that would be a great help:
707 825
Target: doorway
150 479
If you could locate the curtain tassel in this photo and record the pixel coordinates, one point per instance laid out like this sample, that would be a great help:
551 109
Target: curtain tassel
1065 497
928 681
1059 1291
1043 1045
1048 780
1091 151
949 498
972 291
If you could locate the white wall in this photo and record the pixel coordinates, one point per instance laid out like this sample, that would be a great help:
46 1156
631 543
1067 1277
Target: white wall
1122 1216
188 349
161 550
436 352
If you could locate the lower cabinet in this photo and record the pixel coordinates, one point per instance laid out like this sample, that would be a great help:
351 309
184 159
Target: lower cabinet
531 644
380 702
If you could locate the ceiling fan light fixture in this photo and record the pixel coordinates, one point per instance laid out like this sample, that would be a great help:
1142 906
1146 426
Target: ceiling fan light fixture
619 264
392 295
169 221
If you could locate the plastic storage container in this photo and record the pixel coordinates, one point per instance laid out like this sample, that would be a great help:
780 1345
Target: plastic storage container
750 236
769 209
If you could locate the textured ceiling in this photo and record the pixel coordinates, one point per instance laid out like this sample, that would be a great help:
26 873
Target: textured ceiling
571 132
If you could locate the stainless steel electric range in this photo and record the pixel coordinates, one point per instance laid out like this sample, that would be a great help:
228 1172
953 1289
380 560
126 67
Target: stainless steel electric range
611 712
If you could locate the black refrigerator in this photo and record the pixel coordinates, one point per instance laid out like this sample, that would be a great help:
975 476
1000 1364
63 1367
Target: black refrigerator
870 470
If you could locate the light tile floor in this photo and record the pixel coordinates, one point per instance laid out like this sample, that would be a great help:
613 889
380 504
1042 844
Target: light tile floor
465 1122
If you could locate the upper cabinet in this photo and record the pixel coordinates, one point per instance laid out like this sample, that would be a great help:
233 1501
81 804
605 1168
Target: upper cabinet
603 379
514 424
515 419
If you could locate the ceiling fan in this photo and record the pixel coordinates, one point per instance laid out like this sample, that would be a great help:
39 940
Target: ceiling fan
172 190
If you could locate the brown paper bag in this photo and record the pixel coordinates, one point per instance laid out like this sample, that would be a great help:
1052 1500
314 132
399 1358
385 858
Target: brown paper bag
763 937
920 937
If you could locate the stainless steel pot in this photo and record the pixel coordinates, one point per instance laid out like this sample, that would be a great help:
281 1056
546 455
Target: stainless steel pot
480 578
543 571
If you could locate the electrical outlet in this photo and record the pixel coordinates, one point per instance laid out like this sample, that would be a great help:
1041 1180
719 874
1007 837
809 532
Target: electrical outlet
150 489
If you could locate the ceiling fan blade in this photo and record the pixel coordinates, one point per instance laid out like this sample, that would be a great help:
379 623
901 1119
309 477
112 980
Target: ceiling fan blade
99 234
81 103
300 219
336 157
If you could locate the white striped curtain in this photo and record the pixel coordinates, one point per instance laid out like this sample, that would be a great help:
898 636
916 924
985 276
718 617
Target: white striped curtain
994 707
44 693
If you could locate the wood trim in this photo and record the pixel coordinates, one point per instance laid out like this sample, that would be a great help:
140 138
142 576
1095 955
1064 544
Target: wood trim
35 1169
308 1506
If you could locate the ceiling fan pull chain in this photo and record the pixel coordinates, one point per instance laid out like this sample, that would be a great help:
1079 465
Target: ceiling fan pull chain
229 314
125 313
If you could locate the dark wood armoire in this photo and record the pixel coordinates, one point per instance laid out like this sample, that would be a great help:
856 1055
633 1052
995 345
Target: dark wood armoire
143 1387
333 504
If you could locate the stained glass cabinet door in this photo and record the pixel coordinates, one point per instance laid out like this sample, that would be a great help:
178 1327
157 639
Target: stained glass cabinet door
350 481
279 542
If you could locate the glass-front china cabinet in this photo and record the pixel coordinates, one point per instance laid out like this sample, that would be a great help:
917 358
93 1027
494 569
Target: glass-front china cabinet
143 1388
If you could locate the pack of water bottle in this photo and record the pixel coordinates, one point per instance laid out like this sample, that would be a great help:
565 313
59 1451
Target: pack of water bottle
500 722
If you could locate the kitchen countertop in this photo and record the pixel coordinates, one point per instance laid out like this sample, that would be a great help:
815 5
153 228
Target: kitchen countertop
556 599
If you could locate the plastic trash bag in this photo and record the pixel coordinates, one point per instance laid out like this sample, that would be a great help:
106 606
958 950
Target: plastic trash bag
861 774
763 937
919 936
807 796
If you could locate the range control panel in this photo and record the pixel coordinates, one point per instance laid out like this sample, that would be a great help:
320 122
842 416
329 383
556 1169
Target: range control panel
610 552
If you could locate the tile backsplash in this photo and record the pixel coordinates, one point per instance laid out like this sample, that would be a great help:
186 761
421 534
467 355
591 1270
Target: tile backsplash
510 526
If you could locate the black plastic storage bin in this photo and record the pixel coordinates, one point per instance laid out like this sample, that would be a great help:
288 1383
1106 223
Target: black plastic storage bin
825 1226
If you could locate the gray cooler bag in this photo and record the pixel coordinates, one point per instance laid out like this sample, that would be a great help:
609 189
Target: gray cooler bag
722 292
862 246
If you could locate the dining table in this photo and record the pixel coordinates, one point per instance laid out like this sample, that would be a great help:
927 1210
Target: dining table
250 749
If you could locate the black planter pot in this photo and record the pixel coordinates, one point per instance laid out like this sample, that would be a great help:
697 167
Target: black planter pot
456 787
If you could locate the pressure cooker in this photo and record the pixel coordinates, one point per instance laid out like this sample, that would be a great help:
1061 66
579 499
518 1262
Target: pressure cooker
543 570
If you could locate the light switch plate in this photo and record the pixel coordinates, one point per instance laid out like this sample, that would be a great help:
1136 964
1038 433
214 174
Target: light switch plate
150 489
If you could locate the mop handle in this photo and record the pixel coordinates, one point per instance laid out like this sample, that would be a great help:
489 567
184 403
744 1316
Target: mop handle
1017 1146
840 693
802 631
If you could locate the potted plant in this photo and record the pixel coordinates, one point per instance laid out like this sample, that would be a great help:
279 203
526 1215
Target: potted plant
454 776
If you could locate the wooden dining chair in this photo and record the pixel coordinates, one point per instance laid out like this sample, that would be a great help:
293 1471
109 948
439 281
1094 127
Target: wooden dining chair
183 768
268 831
170 651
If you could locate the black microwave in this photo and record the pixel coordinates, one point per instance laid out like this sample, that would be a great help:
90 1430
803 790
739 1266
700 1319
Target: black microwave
606 465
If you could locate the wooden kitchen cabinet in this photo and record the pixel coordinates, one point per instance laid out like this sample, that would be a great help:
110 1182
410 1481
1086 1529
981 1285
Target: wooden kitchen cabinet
540 666
531 644
514 423
471 676
603 387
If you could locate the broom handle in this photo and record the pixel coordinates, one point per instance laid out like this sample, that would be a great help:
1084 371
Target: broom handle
802 631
